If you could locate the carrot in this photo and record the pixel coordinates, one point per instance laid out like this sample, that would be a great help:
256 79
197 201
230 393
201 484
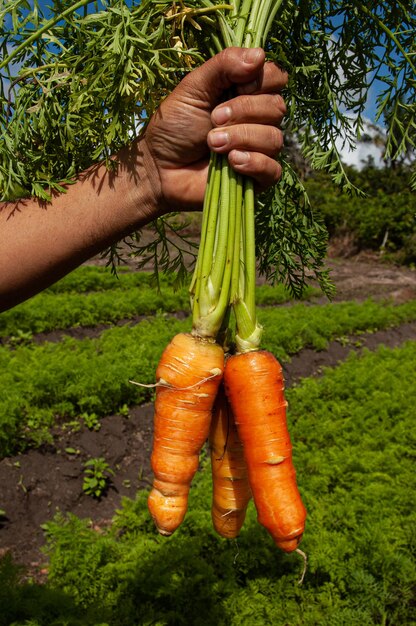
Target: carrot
189 373
231 489
255 388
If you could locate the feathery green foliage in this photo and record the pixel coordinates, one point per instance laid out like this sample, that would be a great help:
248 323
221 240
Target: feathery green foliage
78 81
43 383
354 441
91 295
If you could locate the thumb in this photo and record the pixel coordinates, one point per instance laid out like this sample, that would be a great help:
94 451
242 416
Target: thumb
231 66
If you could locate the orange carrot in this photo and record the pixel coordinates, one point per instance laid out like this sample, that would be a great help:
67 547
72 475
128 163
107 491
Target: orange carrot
189 373
255 388
231 489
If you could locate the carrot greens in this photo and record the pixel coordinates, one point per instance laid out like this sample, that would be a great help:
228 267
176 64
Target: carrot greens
225 273
79 79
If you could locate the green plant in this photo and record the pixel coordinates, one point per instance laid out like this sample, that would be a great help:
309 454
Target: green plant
97 475
354 452
91 421
57 382
21 337
25 603
72 451
384 220
104 299
78 99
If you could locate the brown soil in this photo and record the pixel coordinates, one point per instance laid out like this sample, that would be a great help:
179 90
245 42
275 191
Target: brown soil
37 484
365 276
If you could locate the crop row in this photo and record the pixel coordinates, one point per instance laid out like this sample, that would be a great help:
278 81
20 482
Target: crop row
101 298
70 378
354 445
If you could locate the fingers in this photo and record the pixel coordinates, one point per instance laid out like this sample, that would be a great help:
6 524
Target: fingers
246 137
246 126
233 66
270 79
261 109
252 149
263 169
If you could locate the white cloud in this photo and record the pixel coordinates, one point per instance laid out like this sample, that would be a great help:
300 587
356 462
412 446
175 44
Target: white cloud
370 145
361 153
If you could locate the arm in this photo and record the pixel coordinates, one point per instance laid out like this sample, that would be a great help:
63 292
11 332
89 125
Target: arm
40 243
164 170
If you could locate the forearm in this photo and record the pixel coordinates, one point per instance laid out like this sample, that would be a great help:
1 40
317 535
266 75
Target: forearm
41 242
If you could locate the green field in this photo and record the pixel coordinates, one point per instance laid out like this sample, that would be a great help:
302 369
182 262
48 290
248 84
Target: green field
354 446
91 296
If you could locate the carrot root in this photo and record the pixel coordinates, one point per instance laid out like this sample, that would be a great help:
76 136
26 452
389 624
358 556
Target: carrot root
255 388
305 564
231 489
192 369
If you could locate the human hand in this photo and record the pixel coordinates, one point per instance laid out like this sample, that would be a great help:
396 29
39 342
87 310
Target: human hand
195 119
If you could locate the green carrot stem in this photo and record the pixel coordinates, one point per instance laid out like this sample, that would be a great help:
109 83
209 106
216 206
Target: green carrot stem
250 27
226 32
250 256
237 181
249 331
226 267
225 208
208 234
217 47
264 21
213 192
211 283
205 213
271 18
236 5
242 21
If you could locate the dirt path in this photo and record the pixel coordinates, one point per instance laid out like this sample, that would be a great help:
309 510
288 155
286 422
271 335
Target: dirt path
363 277
37 484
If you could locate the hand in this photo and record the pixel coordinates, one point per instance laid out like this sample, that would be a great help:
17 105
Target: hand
195 118
163 171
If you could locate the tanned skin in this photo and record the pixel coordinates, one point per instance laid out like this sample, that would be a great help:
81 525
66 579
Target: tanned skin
164 170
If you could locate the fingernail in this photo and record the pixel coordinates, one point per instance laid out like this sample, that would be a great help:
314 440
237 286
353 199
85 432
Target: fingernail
240 158
252 55
221 115
219 138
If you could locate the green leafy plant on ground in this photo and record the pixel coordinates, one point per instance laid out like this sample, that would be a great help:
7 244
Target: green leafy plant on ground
47 312
353 442
43 383
104 299
91 278
97 473
28 604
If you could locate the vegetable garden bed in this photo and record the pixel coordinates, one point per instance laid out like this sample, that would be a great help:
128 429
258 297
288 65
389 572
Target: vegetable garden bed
41 481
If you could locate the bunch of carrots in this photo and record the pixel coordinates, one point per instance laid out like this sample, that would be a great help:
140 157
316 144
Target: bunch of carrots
238 403
235 398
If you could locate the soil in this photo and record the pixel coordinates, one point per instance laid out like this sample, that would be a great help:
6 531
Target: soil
35 485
